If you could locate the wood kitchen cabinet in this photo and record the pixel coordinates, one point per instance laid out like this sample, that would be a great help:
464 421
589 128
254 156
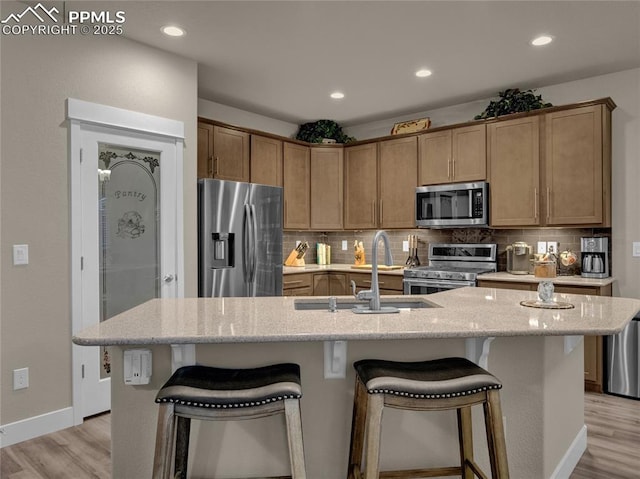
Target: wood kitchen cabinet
296 165
330 284
327 185
452 155
297 284
397 171
360 189
578 166
552 169
380 181
223 153
514 172
388 283
593 345
266 160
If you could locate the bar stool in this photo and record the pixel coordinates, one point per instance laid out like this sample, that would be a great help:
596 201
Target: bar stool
207 393
450 383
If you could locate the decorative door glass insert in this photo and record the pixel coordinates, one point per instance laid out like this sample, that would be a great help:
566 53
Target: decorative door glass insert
129 222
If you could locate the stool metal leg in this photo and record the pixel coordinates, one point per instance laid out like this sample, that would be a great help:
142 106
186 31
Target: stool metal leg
164 441
357 430
495 436
465 437
294 437
182 447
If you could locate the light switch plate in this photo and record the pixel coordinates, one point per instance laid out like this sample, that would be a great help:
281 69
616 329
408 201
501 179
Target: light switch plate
542 247
636 248
344 245
405 246
20 254
20 378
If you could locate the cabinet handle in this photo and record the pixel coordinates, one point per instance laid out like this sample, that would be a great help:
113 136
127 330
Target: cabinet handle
368 281
453 168
535 203
548 203
289 283
448 168
285 211
215 162
373 212
210 166
381 213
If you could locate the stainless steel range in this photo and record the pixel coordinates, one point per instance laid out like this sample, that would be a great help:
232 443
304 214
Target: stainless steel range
451 266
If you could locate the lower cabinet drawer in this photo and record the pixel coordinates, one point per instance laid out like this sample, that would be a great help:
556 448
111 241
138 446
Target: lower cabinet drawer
389 283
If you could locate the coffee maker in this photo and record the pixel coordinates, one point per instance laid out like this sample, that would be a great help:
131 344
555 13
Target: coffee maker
518 258
594 257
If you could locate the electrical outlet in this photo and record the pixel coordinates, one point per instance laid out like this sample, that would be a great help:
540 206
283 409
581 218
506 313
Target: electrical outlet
298 243
20 254
552 247
20 378
542 247
636 248
344 245
405 246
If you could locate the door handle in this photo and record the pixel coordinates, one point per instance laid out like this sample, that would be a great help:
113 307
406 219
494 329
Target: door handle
168 278
254 243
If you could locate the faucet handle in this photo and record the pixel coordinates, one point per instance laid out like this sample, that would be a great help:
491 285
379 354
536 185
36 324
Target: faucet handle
365 295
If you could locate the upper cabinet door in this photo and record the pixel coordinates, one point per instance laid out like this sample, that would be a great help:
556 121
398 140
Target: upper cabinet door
230 154
514 172
327 181
398 173
574 166
266 160
296 182
361 186
453 156
469 146
435 158
205 150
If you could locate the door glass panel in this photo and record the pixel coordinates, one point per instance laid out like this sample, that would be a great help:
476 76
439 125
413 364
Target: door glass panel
129 222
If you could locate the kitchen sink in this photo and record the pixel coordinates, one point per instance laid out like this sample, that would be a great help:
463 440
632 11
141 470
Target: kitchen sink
323 304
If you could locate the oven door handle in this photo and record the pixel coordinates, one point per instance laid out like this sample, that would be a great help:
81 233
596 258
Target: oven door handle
438 284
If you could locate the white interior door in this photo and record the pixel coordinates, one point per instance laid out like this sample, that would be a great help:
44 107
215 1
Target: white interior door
128 237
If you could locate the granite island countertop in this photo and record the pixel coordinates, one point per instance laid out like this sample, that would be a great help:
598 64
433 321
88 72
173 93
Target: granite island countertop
338 268
560 280
457 313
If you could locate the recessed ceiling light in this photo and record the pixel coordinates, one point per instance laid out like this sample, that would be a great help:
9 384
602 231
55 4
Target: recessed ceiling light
541 40
423 73
173 31
337 95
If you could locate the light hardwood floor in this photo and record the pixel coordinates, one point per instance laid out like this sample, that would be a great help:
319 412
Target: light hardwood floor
84 451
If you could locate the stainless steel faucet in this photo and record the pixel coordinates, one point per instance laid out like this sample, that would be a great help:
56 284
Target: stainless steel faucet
373 294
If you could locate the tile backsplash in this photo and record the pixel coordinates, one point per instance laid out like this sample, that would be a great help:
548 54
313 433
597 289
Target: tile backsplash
567 238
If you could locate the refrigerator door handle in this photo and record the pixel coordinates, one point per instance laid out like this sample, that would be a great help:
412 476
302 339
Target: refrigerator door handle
246 244
254 243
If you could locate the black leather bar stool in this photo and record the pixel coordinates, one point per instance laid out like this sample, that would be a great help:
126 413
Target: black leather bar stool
451 383
207 393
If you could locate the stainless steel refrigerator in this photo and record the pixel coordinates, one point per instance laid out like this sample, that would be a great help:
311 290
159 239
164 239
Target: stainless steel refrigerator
623 361
239 239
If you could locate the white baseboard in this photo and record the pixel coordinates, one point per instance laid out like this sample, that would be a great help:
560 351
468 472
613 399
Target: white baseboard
32 427
571 458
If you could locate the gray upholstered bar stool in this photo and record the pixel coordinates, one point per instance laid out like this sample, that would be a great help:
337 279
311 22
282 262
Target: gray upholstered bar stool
207 393
450 383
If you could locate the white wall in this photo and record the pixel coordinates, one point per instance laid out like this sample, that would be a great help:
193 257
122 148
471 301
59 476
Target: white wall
245 119
624 88
38 74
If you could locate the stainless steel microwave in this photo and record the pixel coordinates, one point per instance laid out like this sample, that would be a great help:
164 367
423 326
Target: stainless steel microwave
455 205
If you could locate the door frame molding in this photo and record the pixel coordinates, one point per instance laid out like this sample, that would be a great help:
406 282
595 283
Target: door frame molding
80 113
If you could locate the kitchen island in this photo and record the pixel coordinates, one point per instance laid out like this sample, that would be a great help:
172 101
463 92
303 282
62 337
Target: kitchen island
540 367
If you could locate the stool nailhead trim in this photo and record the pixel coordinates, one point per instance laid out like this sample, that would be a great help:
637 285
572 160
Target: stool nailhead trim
231 405
431 396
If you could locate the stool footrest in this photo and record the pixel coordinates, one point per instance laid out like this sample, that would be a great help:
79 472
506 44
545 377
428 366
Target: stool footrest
416 473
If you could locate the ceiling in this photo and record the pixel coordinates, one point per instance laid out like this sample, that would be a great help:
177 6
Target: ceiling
283 59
